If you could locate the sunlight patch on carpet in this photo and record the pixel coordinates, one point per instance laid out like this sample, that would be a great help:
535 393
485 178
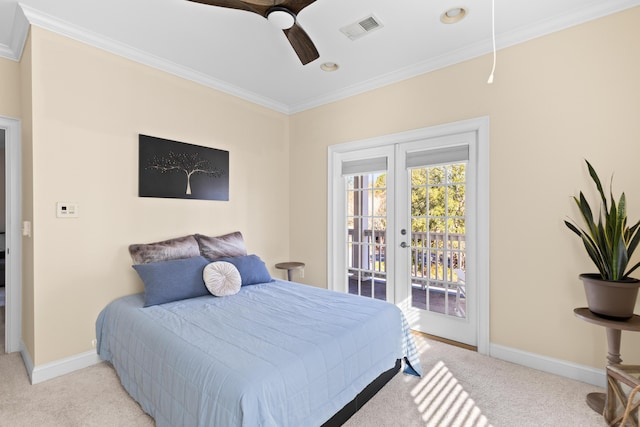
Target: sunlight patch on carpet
422 346
443 402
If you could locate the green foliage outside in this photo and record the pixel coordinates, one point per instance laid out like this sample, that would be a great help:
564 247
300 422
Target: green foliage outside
444 182
446 196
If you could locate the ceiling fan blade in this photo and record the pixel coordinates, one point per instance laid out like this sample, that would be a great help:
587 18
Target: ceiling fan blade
296 6
302 44
298 38
231 4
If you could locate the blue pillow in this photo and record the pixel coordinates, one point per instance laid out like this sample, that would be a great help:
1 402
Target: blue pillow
252 269
167 281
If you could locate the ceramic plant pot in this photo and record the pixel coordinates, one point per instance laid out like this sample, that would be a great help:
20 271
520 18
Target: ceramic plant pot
615 300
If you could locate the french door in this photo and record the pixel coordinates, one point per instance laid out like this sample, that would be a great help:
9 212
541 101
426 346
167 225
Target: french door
404 229
435 223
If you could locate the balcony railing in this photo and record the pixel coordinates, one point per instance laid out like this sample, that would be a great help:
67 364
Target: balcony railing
430 252
438 262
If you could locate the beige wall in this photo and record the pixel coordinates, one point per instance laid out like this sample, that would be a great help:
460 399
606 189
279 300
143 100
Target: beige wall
9 88
556 100
88 109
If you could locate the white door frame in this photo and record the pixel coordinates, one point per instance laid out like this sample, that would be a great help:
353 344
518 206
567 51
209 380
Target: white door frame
13 267
479 125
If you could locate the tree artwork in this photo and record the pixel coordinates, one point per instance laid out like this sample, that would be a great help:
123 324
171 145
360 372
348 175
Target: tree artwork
187 163
177 170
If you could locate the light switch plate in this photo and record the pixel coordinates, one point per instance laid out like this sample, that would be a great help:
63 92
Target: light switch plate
26 228
66 210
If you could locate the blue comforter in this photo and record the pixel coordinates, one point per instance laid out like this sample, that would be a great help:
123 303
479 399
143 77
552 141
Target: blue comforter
275 354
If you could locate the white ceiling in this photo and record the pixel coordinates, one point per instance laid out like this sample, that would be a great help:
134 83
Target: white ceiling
242 54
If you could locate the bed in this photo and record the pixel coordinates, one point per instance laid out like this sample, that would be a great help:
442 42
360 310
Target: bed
274 353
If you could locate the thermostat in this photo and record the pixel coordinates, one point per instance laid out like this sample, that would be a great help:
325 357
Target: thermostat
66 210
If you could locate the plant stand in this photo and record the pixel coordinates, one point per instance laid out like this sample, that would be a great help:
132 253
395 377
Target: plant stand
623 384
614 328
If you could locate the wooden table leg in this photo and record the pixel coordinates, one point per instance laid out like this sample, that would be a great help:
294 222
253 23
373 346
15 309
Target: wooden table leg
598 401
613 342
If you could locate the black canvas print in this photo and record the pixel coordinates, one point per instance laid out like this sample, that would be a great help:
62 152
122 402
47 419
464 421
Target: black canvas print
174 169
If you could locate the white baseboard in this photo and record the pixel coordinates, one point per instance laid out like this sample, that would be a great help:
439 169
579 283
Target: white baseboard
26 359
583 373
40 373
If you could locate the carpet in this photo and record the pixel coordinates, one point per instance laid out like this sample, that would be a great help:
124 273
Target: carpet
459 388
463 388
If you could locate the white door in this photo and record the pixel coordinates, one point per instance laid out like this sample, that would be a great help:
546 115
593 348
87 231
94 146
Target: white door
435 229
404 227
363 240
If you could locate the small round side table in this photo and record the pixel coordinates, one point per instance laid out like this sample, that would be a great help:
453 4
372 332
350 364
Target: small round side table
614 328
290 266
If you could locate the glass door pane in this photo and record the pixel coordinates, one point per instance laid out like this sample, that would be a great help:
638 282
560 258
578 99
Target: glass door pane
438 252
366 234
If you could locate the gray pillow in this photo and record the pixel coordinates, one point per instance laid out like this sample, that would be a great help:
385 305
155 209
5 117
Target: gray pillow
178 248
227 245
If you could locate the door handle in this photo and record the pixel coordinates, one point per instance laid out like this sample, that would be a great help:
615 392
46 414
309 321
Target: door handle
404 245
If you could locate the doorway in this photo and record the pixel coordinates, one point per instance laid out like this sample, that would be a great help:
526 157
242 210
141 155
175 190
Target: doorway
10 132
2 239
408 223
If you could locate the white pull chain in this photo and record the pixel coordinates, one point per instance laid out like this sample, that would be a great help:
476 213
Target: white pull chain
493 33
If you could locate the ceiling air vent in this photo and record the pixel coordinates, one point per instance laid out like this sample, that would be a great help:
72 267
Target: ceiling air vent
362 27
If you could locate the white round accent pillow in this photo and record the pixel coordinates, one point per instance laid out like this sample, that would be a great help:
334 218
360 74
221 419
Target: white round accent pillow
222 278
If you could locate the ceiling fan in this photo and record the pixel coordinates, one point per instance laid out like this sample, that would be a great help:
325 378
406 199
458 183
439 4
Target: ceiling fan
281 13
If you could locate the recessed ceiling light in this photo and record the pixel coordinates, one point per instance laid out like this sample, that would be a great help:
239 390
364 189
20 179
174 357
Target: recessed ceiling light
329 66
453 15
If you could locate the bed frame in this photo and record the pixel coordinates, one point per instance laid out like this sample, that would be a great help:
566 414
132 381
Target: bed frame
363 397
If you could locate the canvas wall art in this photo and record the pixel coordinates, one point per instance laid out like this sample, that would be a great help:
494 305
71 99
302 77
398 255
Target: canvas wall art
172 169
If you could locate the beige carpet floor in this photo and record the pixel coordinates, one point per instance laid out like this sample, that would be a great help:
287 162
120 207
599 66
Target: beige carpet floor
458 388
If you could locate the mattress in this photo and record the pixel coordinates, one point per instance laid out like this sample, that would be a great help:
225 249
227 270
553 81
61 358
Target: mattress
275 354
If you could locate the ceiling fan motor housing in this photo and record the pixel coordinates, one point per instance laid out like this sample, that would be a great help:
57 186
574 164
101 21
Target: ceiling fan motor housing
281 17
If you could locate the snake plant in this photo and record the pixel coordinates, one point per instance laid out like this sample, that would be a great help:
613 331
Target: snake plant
610 242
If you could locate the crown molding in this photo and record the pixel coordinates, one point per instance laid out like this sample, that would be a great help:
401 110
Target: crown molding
18 37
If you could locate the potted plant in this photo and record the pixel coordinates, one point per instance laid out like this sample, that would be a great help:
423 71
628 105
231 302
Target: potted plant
609 242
